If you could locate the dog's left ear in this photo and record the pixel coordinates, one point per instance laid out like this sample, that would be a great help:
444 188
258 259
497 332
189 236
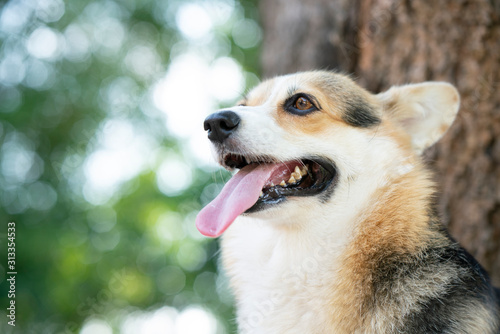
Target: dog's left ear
425 111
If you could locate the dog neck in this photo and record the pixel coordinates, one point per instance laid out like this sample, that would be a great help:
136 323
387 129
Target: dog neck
398 224
266 259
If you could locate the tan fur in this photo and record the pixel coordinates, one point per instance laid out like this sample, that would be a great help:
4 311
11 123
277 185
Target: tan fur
397 225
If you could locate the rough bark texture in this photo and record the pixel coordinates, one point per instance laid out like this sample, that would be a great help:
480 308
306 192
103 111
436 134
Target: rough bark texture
390 42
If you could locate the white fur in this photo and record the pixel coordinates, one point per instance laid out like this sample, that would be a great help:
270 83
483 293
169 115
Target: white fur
279 274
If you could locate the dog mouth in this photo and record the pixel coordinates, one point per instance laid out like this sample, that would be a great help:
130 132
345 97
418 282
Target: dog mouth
300 177
261 183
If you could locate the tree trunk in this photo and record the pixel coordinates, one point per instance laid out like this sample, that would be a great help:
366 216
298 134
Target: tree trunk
391 42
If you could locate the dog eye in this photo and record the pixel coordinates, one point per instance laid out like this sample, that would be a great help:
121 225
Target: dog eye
303 104
300 104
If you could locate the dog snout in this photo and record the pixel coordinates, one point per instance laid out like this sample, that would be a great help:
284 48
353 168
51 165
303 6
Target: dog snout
221 125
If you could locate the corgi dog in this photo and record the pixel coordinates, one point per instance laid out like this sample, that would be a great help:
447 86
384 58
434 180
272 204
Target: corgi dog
328 225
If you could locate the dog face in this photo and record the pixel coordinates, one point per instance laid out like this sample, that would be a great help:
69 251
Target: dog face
315 144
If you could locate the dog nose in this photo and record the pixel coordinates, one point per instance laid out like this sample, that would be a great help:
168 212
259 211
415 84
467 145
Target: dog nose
220 125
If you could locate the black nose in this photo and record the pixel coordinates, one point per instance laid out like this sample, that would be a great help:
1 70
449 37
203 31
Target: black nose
221 124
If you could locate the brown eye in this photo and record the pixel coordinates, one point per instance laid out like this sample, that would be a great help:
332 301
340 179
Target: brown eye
300 104
303 104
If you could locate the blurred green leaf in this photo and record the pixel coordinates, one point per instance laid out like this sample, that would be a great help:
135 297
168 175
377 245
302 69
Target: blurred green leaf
96 168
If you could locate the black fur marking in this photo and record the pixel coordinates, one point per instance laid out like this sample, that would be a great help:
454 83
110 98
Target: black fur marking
360 114
325 196
468 286
332 168
443 313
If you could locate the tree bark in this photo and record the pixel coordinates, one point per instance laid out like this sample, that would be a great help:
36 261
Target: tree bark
392 42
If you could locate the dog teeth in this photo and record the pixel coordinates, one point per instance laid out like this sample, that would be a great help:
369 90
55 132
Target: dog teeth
295 176
261 193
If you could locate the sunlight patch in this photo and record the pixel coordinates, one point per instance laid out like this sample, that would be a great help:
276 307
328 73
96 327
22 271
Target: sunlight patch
226 80
193 21
44 43
192 320
96 326
173 177
123 153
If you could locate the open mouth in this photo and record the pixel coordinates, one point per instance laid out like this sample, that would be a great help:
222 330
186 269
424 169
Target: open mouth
263 182
301 177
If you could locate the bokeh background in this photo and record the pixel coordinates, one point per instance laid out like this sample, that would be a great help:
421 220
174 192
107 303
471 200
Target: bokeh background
104 162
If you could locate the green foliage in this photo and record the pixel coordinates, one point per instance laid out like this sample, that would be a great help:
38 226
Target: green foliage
92 244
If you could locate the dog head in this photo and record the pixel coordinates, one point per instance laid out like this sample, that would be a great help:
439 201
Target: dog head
317 142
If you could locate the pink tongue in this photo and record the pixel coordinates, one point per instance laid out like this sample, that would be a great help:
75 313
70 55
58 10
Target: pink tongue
238 195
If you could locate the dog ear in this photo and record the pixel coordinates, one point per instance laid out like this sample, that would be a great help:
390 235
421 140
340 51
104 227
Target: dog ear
425 111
